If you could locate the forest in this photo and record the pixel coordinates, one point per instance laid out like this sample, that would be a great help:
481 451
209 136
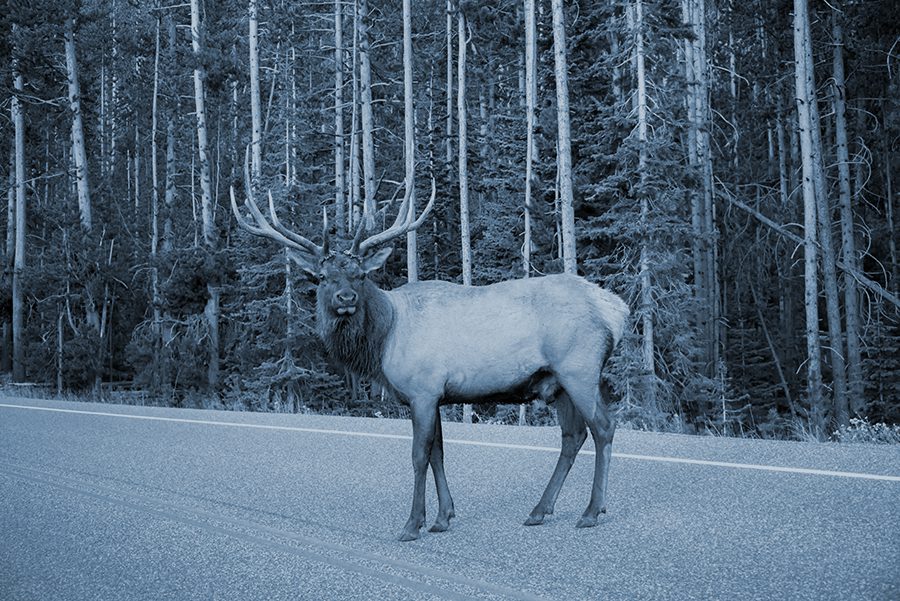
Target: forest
726 167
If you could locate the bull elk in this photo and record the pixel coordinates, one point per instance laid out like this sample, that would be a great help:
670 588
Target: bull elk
433 343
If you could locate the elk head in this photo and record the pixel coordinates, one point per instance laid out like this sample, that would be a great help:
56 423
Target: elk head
341 275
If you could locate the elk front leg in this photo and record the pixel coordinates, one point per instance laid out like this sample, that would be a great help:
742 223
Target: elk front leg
445 501
423 420
573 436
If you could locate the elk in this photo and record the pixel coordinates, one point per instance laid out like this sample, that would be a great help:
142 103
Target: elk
432 343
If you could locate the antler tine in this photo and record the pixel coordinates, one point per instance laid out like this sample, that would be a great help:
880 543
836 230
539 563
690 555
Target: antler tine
404 223
262 228
401 221
361 225
306 243
357 237
418 222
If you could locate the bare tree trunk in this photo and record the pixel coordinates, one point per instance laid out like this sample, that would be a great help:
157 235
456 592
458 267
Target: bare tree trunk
255 107
449 149
530 89
9 254
889 211
339 178
647 355
60 332
92 314
564 159
463 152
354 127
694 161
530 60
368 144
848 240
409 147
782 155
114 94
168 233
826 242
810 248
81 172
702 125
137 168
463 167
290 115
18 305
101 125
202 136
695 62
209 232
154 220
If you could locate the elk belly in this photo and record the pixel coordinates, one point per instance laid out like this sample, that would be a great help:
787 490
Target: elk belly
542 384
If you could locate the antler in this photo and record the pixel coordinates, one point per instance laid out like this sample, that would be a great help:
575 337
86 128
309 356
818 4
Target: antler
274 231
405 222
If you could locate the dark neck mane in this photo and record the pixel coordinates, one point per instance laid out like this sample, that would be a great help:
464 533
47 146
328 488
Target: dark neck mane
357 342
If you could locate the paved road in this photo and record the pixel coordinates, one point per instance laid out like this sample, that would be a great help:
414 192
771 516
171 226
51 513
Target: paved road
110 502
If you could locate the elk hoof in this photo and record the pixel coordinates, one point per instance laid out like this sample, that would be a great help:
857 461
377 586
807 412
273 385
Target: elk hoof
587 521
535 519
440 526
408 535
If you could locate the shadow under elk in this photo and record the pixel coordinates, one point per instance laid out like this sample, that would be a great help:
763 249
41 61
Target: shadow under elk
433 343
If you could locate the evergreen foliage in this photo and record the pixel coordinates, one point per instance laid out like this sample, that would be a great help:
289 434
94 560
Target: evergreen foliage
153 337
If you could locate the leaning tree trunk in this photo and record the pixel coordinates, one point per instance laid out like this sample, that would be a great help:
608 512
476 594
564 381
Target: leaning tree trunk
211 311
78 148
564 160
92 314
810 242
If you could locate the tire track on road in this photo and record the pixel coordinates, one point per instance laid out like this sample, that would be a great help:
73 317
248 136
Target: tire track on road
276 539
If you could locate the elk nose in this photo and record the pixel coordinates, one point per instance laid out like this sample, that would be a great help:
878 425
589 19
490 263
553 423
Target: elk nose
346 297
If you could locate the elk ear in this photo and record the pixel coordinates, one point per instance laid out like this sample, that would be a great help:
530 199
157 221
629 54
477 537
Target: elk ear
376 260
306 262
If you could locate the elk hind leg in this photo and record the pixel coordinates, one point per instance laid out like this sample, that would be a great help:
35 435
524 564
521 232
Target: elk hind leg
574 434
602 425
445 501
584 392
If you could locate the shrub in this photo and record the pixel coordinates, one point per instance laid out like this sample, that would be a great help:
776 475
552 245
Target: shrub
860 430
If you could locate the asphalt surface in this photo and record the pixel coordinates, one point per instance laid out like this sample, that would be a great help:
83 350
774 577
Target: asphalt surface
273 507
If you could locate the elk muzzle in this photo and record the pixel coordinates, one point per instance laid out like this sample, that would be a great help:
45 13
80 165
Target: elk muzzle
344 302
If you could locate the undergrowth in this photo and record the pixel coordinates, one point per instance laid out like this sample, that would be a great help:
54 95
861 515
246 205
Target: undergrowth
860 430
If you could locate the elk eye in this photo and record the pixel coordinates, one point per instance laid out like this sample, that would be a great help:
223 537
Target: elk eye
321 275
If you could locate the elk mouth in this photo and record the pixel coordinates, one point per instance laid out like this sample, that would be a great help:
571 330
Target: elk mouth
345 311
